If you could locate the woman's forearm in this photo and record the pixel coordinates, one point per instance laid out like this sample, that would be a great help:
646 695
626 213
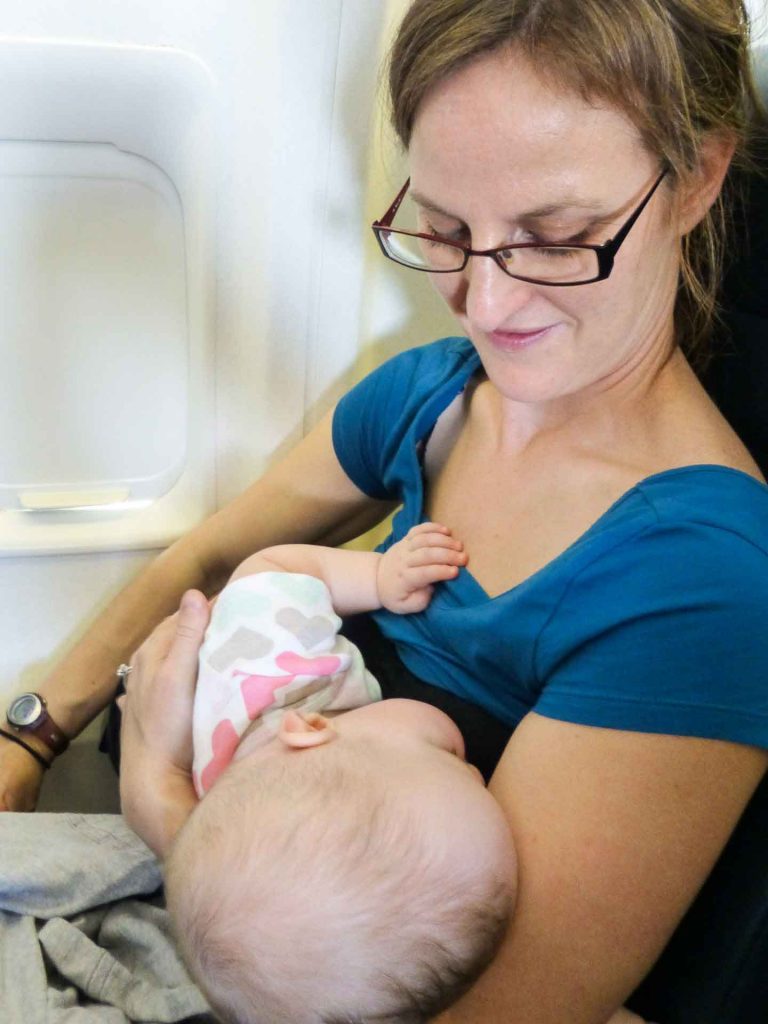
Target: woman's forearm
157 808
83 682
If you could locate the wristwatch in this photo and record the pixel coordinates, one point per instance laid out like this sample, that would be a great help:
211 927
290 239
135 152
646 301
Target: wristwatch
28 714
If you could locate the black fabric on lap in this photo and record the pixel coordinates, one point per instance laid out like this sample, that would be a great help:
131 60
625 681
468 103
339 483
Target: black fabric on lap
110 737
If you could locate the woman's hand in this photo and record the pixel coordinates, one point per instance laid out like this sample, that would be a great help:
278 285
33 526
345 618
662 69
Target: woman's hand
156 789
426 555
20 778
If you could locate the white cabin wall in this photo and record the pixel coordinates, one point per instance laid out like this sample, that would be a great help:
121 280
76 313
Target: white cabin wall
758 13
295 82
368 308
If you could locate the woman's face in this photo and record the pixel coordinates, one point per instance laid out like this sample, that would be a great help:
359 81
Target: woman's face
500 156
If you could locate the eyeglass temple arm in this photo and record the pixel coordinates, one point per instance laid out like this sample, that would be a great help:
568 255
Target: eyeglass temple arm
389 216
616 241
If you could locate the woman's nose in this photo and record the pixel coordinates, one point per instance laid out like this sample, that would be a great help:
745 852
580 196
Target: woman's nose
492 298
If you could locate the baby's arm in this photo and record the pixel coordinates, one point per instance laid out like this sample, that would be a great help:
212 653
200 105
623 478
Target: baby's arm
360 581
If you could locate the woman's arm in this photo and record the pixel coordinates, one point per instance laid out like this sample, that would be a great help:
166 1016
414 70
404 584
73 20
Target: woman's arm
615 833
306 497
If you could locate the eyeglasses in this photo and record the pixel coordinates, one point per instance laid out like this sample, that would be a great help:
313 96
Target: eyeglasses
557 263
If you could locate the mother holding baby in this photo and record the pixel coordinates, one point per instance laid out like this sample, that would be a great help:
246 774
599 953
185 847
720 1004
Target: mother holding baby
607 639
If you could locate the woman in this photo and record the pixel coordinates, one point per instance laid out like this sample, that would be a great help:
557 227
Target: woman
612 615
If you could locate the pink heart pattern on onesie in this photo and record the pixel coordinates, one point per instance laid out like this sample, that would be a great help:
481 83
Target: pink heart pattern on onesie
251 671
325 665
259 691
224 740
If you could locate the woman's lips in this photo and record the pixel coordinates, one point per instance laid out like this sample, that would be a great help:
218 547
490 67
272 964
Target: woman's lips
510 340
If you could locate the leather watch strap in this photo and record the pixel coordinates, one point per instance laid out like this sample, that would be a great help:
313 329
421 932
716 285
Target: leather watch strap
51 735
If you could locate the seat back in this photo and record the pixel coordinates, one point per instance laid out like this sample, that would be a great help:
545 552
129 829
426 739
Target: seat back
737 378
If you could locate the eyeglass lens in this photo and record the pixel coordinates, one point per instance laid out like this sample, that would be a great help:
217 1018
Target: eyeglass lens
543 263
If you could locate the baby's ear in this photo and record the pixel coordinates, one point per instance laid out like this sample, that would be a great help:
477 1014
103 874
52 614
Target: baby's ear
300 731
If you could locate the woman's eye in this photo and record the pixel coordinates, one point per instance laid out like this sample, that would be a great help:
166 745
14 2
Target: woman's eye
452 233
580 239
552 252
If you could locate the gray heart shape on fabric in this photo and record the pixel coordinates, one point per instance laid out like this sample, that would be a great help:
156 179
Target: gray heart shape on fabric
244 643
309 632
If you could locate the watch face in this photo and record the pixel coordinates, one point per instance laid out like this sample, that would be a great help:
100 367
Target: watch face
25 710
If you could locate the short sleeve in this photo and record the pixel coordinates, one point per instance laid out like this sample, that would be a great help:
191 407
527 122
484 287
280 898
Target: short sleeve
666 633
360 426
373 422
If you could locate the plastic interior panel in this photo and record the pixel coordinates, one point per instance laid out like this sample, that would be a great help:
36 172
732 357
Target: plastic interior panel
107 198
93 329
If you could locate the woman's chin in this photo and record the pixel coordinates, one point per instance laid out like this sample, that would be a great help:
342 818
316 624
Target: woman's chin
527 370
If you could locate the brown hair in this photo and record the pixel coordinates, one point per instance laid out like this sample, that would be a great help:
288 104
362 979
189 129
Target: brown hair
679 69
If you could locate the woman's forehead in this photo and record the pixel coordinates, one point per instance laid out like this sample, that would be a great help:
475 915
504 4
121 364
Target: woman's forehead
498 118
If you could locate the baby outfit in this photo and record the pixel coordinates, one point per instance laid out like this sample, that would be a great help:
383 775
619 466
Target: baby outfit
272 644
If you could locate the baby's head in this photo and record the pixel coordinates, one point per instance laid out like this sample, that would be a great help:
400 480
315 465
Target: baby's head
346 872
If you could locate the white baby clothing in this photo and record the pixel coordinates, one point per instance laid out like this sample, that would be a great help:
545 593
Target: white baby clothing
272 643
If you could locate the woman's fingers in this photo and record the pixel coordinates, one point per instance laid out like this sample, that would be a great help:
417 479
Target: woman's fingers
186 630
175 642
162 683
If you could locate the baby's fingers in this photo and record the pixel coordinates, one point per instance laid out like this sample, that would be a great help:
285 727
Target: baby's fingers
420 577
431 542
437 555
431 535
416 531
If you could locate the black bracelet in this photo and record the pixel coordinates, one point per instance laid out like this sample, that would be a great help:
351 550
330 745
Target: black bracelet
15 739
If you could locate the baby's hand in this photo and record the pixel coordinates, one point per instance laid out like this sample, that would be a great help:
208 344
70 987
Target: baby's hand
427 554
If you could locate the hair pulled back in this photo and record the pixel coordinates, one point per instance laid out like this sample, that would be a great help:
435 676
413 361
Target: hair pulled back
679 69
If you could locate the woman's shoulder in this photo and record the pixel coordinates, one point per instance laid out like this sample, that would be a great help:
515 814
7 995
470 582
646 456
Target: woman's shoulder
675 538
716 498
414 384
378 422
429 365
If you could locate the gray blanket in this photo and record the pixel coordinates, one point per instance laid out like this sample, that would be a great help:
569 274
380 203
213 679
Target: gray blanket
84 936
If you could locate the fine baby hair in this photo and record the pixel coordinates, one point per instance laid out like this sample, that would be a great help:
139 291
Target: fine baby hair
314 890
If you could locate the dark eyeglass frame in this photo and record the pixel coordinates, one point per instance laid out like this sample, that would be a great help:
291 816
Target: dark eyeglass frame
606 252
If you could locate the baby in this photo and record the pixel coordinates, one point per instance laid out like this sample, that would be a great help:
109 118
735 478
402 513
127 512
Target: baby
341 867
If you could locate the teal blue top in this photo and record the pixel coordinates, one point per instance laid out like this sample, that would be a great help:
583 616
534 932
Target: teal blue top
655 619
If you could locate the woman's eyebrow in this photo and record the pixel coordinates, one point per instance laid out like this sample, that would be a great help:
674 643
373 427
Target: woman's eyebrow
539 213
426 204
